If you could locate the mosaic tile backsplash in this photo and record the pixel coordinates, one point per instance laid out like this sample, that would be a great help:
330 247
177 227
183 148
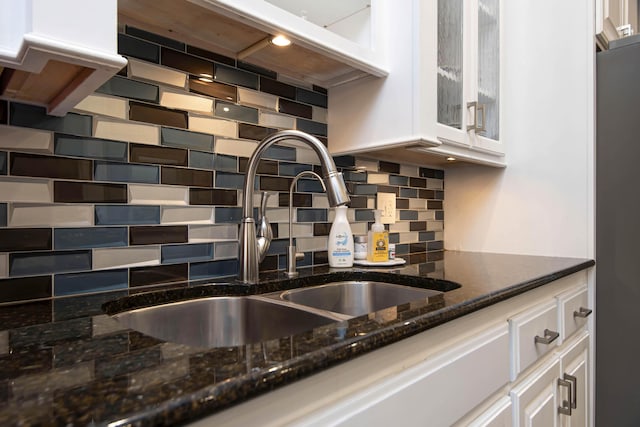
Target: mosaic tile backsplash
141 184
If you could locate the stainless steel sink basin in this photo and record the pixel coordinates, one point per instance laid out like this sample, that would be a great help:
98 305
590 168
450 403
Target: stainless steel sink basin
222 321
356 298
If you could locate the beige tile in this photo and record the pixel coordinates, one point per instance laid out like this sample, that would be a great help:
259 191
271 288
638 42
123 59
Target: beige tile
4 265
235 147
104 105
185 101
351 215
26 190
439 235
426 215
359 228
320 201
371 203
308 244
377 178
158 195
319 114
186 215
141 381
307 155
126 131
399 227
225 250
30 215
218 127
126 257
278 215
410 237
212 233
435 226
104 325
435 184
409 170
417 204
24 139
368 165
50 381
299 230
277 120
146 71
257 99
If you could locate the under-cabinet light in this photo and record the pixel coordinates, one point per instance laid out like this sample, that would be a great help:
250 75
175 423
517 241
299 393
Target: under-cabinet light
451 159
280 41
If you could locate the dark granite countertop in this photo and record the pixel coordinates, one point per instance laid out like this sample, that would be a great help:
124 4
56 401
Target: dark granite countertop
65 362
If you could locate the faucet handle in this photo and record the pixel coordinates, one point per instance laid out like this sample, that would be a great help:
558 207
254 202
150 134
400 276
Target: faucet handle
264 233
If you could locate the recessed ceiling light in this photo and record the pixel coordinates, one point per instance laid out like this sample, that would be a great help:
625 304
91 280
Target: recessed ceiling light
280 41
451 159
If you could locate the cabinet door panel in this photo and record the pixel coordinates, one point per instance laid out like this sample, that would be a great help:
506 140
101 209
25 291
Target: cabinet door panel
534 400
450 63
574 362
488 89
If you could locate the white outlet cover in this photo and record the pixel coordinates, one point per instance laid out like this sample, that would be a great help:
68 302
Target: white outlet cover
386 202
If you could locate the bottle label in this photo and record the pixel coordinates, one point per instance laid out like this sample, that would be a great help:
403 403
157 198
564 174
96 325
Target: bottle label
380 249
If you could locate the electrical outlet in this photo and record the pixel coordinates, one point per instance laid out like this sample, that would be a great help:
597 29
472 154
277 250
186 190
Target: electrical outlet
386 202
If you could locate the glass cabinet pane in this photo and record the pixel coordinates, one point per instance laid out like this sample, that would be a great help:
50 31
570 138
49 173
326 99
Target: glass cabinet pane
489 65
450 44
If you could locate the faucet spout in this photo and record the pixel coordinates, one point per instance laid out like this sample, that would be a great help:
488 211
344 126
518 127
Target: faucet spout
333 181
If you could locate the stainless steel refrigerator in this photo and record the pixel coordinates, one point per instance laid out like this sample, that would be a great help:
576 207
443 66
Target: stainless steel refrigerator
617 353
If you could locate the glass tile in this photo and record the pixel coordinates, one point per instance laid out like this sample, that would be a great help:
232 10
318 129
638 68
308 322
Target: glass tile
123 215
278 247
27 288
4 112
439 195
3 214
201 160
434 204
402 249
90 237
185 62
188 177
232 180
359 202
265 167
402 203
211 55
131 46
258 133
203 196
293 169
213 269
213 89
314 128
418 226
365 189
440 215
184 139
437 245
417 247
280 153
426 194
93 148
258 70
50 166
126 172
125 88
36 117
3 162
354 176
155 38
275 87
319 89
425 236
364 215
234 76
141 153
312 215
187 253
299 200
411 193
310 97
150 235
388 189
344 161
226 163
32 263
145 276
240 113
295 108
431 173
157 115
228 215
320 257
95 281
25 239
408 215
275 183
321 228
85 192
388 167
417 182
394 237
310 186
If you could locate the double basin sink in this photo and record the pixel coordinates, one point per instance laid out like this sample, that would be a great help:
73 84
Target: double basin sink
239 320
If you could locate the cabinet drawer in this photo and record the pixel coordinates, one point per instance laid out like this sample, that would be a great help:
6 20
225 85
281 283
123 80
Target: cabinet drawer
573 307
533 333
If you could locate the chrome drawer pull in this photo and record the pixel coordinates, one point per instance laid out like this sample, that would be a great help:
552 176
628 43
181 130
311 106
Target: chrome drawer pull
565 409
582 312
549 337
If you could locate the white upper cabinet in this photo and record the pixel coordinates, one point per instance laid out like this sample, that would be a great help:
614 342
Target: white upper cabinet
442 96
55 53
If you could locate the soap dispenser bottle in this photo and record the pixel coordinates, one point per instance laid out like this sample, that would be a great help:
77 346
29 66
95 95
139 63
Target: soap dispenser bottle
378 241
340 240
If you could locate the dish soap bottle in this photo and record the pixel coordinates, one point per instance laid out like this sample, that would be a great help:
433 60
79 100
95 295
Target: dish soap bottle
340 240
378 241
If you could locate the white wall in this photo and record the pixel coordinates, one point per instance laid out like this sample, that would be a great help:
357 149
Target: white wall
542 203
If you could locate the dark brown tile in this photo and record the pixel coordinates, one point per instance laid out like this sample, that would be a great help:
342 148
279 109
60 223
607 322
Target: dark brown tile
153 235
426 194
439 195
211 55
434 204
85 192
265 167
389 189
274 183
258 133
319 89
388 167
25 239
140 153
188 177
275 87
321 257
155 275
417 247
417 182
4 112
432 173
359 202
417 258
50 166
435 256
295 109
213 89
321 228
270 263
25 288
185 62
203 196
402 203
323 139
418 226
158 115
300 200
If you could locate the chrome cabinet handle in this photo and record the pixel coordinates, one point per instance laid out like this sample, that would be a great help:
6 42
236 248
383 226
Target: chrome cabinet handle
582 312
549 337
565 409
573 396
483 126
474 126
